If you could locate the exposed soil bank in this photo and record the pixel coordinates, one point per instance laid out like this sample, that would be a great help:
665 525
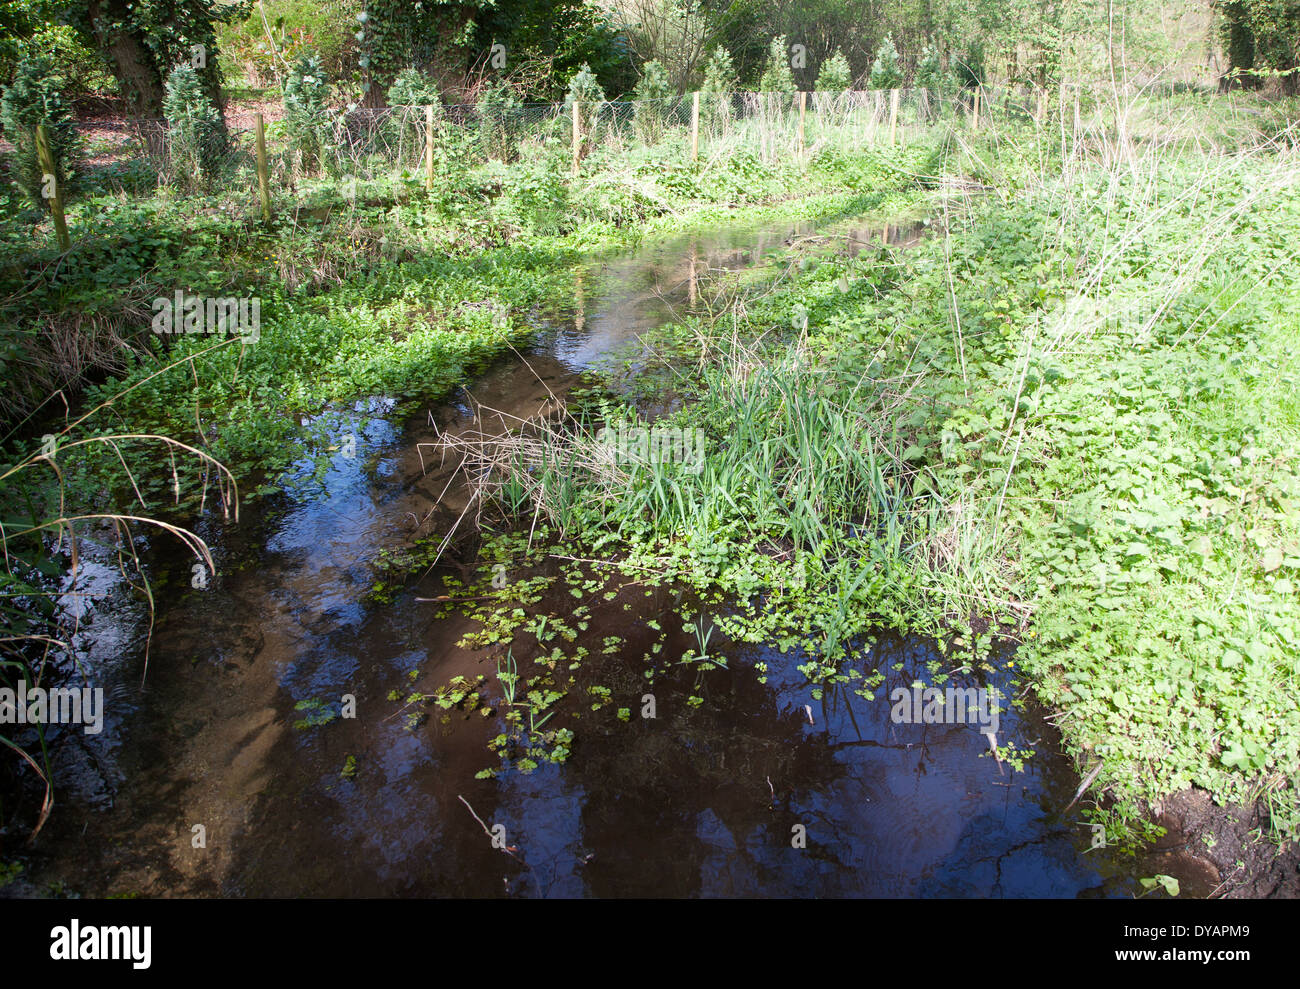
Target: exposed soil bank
1224 847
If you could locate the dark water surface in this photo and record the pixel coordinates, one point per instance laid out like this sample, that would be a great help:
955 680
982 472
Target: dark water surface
699 801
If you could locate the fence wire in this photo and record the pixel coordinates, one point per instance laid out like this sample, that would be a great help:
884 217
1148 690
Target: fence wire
370 144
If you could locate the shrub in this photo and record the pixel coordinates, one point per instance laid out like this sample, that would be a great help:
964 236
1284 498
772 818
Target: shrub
498 113
535 197
777 75
306 115
584 88
35 97
82 70
720 81
408 96
970 69
930 74
720 74
326 27
835 75
885 70
194 132
413 88
934 79
652 94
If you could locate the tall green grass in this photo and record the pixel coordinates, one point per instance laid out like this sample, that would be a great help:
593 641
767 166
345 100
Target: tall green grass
1070 415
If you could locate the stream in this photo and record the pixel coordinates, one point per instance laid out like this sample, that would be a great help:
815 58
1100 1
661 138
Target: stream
697 801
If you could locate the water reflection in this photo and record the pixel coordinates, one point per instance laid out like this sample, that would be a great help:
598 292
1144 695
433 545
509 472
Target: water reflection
700 801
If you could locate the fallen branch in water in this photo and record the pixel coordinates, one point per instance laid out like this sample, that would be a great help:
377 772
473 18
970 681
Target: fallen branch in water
1087 782
448 597
508 849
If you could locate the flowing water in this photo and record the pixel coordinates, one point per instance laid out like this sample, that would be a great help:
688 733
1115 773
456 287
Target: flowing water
706 799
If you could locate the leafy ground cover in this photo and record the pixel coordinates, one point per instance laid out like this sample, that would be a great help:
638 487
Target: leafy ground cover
1068 416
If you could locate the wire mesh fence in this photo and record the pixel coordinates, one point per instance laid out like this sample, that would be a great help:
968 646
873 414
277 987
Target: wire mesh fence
416 141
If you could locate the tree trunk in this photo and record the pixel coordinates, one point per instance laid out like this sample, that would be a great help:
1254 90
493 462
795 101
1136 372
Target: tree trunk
133 64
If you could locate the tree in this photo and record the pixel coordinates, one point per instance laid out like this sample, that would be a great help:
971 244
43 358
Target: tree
834 75
1262 38
680 34
1239 41
143 40
886 73
33 98
36 27
777 76
652 95
193 127
851 27
450 38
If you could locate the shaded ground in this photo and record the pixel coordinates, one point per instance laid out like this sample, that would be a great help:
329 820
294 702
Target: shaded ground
1226 847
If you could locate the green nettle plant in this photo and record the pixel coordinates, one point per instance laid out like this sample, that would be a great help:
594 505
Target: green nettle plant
584 88
886 73
834 75
193 129
34 97
652 94
777 75
498 112
306 115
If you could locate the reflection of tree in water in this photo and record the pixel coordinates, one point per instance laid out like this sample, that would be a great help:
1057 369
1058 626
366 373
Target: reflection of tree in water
987 862
649 782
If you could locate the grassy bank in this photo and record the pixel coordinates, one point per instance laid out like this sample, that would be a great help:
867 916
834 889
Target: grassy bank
1068 416
368 288
374 288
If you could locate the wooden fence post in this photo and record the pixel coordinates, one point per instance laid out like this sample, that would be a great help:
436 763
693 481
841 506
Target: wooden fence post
577 137
428 148
975 125
695 126
893 114
803 105
263 173
46 158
